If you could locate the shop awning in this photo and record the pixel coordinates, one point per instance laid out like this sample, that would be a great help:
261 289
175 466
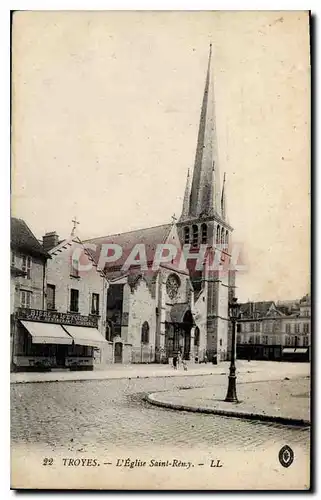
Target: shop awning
83 335
294 350
46 333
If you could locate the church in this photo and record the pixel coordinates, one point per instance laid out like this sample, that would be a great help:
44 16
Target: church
154 313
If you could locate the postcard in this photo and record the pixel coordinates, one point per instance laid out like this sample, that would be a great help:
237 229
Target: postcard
160 333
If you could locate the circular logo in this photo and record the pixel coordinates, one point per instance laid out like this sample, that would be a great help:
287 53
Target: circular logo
286 456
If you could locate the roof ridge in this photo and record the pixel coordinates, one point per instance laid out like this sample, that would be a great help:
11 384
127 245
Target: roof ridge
127 232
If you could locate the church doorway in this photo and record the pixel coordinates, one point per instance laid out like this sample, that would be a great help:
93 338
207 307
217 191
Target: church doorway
178 332
186 328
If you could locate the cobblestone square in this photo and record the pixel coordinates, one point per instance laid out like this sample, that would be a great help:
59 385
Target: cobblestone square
81 415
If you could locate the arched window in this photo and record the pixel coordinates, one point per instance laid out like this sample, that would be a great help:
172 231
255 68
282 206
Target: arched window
226 237
145 333
222 236
218 234
197 336
186 234
204 233
195 235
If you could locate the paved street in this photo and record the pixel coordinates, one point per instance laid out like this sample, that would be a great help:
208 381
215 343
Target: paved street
78 416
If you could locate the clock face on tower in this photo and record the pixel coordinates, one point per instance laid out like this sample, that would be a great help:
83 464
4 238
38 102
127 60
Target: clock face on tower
172 285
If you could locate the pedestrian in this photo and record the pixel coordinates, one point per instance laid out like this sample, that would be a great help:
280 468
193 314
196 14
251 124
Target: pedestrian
179 358
175 361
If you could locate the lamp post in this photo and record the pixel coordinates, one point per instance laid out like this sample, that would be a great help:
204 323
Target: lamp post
231 396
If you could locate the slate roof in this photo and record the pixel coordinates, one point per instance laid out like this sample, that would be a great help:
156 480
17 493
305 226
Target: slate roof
150 237
22 238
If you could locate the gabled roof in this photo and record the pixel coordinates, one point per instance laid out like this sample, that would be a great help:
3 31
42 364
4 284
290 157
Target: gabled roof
22 238
258 309
150 237
67 244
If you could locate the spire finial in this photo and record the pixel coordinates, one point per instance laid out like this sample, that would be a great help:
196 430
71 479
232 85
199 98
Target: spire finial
174 219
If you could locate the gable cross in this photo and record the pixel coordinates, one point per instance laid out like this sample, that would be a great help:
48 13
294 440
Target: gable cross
75 222
174 219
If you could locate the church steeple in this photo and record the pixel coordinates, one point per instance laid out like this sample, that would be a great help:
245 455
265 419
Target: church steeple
205 196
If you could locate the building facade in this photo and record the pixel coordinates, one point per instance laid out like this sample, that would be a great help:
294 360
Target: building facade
74 287
297 329
275 332
28 275
57 310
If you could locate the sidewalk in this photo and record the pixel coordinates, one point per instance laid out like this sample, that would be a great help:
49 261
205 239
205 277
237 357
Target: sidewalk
249 371
283 401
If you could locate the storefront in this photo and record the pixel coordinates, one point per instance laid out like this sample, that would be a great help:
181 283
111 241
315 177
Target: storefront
295 354
44 340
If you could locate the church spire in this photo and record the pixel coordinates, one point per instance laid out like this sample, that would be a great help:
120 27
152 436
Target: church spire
187 194
205 197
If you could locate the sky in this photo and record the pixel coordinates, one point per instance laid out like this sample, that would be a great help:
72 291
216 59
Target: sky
105 114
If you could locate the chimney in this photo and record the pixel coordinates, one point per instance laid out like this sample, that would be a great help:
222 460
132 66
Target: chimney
50 240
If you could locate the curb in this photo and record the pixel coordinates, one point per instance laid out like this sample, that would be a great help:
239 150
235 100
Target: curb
123 377
150 398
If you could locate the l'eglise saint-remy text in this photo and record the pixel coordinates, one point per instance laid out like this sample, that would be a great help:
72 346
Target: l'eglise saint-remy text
127 462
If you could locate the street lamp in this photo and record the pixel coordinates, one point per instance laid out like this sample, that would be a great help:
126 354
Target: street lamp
231 396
